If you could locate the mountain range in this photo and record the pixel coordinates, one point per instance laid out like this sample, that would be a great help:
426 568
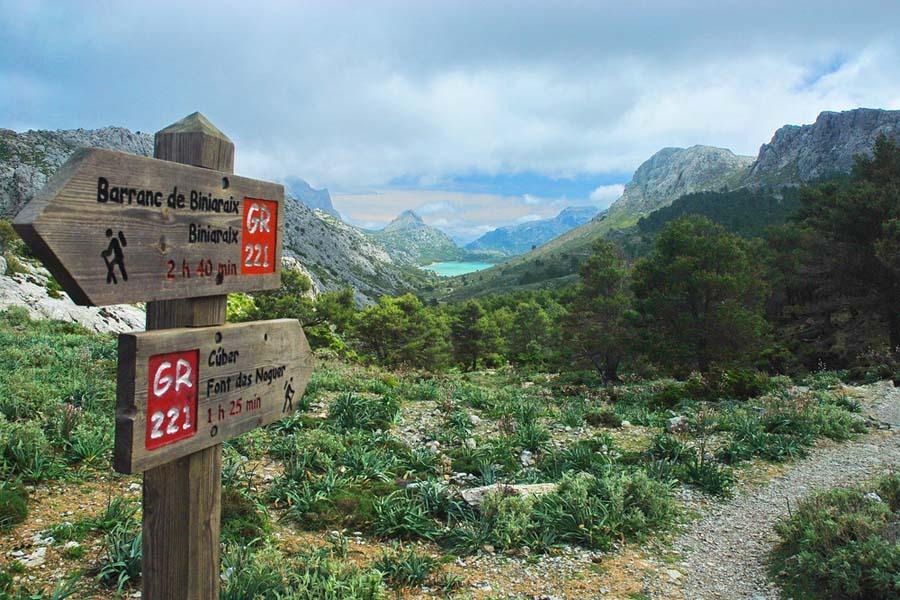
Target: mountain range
334 255
795 155
518 239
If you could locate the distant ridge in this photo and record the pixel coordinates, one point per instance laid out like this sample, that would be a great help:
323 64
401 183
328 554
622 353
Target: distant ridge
408 239
299 189
795 154
518 239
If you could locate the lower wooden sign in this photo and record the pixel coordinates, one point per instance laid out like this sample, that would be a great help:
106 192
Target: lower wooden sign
181 390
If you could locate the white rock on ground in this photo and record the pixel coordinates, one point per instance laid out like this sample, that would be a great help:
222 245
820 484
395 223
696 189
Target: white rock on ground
29 290
475 496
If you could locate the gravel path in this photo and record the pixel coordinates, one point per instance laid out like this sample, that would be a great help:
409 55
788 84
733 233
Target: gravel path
724 552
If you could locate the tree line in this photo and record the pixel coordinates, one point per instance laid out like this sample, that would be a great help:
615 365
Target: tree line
822 290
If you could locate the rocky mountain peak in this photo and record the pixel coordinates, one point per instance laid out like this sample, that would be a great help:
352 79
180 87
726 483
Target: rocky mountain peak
801 153
673 172
299 189
405 220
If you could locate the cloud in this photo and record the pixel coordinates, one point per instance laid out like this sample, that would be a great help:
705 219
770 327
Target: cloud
605 195
356 95
435 207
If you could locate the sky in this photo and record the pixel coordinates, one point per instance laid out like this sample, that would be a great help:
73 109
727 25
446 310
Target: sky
474 114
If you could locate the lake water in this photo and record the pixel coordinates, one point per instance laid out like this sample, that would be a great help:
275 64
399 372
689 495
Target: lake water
451 269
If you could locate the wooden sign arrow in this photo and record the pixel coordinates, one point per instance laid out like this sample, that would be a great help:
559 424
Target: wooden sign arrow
117 228
182 390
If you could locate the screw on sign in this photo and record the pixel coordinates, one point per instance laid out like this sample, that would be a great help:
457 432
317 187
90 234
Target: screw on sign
179 232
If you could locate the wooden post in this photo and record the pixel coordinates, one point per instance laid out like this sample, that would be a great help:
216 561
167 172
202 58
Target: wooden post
182 499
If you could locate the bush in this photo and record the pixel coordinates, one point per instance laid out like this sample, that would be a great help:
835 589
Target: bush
120 564
351 411
404 567
842 544
267 574
594 511
13 504
242 518
603 417
404 515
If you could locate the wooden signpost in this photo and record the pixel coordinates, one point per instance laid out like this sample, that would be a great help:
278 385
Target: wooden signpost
115 228
182 390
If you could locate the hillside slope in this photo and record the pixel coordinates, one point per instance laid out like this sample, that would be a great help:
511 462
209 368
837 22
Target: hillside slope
409 240
518 239
334 254
796 154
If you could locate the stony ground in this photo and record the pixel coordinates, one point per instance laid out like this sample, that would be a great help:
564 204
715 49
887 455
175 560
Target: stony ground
720 554
723 553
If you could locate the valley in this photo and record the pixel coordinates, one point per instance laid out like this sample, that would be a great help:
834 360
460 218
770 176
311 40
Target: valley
660 402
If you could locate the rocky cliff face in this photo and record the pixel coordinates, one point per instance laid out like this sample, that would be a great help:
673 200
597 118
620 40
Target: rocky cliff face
801 153
674 172
518 239
28 159
409 240
300 190
335 255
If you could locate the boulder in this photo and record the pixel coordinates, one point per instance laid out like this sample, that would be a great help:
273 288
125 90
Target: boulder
677 424
475 496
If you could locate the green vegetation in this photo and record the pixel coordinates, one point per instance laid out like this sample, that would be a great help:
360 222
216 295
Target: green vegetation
842 544
676 369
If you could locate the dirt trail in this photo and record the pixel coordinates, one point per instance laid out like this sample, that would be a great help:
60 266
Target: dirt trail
724 552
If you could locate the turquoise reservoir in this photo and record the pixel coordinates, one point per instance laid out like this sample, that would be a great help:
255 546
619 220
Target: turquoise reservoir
451 269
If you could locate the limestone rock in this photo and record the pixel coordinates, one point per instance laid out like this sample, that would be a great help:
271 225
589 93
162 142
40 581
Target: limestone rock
674 172
29 290
475 496
677 424
800 153
28 159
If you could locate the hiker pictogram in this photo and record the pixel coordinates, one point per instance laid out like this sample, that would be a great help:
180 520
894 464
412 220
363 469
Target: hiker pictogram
288 396
114 250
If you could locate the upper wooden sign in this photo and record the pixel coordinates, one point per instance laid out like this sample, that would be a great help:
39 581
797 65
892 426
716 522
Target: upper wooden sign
182 390
117 228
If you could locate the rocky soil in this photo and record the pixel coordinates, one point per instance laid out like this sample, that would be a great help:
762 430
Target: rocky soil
723 553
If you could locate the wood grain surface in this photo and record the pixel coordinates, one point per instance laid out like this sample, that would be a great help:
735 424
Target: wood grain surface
250 374
119 228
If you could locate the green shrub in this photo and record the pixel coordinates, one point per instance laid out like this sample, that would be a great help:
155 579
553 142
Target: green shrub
404 515
241 517
267 574
603 417
404 567
120 564
13 504
594 511
351 411
89 443
842 544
